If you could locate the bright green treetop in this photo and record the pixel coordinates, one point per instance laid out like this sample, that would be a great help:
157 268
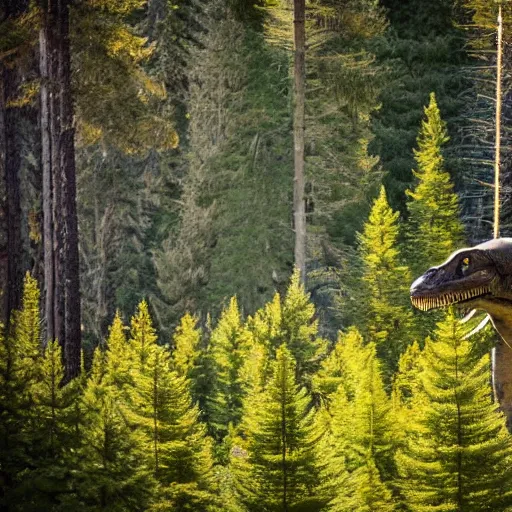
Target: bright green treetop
435 227
142 334
273 462
354 455
113 471
186 340
117 364
290 321
175 441
388 316
457 450
228 346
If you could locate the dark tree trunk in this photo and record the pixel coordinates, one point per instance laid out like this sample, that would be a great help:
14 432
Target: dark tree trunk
62 293
72 317
12 262
13 198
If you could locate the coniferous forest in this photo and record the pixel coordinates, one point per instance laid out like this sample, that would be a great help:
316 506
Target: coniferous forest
211 214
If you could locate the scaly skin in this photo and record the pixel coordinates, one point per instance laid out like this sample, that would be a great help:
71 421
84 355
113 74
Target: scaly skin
478 277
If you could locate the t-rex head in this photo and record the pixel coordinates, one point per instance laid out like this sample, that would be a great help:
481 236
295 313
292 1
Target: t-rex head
479 277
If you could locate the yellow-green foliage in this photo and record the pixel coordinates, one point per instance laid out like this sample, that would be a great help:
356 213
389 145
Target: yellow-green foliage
435 228
386 279
457 450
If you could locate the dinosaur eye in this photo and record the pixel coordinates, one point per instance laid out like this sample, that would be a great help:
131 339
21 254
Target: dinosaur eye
464 264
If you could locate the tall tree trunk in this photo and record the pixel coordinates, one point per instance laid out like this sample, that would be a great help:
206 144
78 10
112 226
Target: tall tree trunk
45 54
12 264
13 199
299 204
62 291
68 177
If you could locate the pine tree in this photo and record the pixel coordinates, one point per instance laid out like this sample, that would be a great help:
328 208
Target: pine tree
273 463
356 428
117 364
388 317
113 471
186 340
180 452
435 228
228 347
143 335
457 451
290 321
177 448
342 366
20 371
191 359
52 434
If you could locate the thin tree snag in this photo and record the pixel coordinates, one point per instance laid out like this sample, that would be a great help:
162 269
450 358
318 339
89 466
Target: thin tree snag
299 204
49 267
497 153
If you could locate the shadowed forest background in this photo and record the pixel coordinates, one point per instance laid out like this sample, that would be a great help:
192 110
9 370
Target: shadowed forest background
159 350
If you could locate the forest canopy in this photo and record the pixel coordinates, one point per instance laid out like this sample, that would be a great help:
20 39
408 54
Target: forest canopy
211 214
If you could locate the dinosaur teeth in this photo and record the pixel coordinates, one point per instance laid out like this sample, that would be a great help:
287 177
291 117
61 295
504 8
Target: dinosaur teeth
431 302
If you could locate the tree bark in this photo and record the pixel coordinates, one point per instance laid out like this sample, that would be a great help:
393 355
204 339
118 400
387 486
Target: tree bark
46 159
299 204
12 263
62 291
13 199
72 317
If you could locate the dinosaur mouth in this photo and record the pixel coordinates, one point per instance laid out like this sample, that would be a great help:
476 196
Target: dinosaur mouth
426 302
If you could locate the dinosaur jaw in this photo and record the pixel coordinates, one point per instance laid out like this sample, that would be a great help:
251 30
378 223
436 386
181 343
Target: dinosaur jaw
463 298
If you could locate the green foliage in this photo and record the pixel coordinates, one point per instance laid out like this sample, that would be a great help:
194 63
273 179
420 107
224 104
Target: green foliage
273 462
186 344
290 321
422 51
115 97
20 369
113 471
355 455
143 337
228 240
435 227
387 317
175 442
457 452
228 348
191 359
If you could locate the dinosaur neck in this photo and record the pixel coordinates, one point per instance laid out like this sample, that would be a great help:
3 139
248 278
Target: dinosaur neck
501 316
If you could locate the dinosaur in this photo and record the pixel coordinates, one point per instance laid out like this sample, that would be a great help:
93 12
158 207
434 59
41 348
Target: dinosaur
478 278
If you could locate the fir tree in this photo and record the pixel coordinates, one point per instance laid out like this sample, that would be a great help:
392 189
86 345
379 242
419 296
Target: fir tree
191 359
457 450
186 340
290 321
175 442
117 356
228 348
435 228
273 463
20 371
356 428
53 436
388 317
113 471
180 452
142 335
